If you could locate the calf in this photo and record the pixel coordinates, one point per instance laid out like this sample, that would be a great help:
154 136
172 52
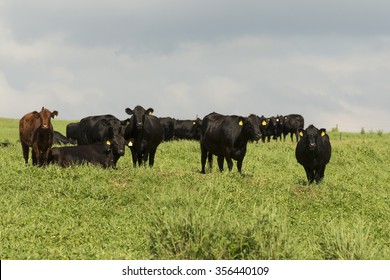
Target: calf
105 154
146 133
313 152
36 131
226 137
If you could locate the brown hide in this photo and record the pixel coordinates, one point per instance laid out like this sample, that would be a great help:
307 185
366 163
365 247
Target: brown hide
36 131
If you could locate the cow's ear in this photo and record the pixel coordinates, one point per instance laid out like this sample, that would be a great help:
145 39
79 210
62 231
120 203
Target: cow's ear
54 114
301 132
149 111
322 132
35 114
129 111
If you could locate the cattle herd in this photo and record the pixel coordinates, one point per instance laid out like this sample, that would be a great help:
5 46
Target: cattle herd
101 140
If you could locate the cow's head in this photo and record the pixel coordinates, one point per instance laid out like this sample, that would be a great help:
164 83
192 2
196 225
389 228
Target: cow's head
279 120
45 117
139 114
115 143
264 122
311 136
251 126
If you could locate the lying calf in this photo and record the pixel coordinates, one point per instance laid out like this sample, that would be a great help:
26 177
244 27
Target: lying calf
105 154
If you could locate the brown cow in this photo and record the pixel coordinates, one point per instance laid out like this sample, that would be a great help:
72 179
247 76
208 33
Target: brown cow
36 131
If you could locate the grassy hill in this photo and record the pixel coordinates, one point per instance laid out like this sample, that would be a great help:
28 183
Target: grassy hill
174 212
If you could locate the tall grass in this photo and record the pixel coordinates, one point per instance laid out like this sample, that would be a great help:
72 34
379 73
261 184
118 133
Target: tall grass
173 212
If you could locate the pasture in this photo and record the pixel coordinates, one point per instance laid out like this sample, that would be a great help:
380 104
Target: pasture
173 212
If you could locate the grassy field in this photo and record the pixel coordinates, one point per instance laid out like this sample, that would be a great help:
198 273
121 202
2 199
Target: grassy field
174 212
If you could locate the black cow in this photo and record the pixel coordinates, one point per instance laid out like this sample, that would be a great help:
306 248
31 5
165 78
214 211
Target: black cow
266 129
61 139
105 154
188 129
72 131
226 137
279 120
168 125
95 129
313 152
292 124
146 133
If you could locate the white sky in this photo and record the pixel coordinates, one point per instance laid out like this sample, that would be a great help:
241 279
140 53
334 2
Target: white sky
327 60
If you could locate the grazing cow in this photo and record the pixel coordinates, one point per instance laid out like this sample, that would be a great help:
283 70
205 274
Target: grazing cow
146 132
72 131
291 124
313 152
168 125
105 154
226 137
36 131
95 129
188 129
60 139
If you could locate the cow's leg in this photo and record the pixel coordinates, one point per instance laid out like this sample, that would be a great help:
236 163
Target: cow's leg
239 164
309 174
210 161
229 163
134 157
297 135
203 158
25 149
36 155
151 156
46 155
220 163
320 174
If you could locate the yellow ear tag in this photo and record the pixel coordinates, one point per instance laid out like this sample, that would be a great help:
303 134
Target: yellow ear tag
130 144
323 133
150 113
108 142
301 134
264 123
193 123
240 123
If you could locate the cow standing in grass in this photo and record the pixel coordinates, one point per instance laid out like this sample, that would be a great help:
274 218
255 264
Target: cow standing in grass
145 133
36 131
227 138
313 152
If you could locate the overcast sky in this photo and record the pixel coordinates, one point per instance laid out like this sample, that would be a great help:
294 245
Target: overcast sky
327 60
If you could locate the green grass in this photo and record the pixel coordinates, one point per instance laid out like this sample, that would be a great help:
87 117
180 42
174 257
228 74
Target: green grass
174 212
